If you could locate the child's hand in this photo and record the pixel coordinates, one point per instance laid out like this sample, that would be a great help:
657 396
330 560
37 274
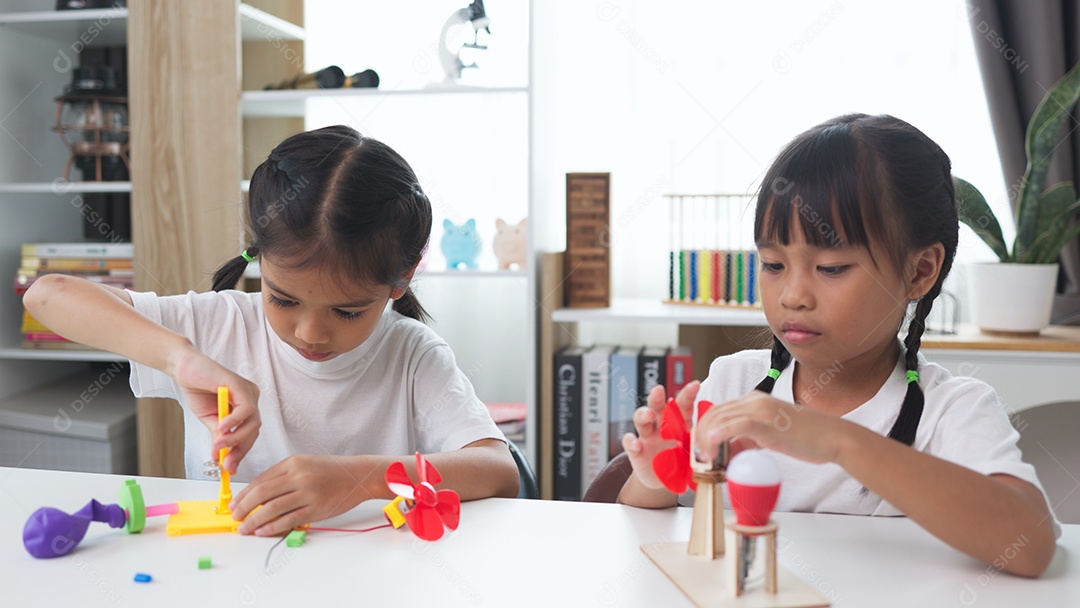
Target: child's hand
761 419
299 490
199 378
644 447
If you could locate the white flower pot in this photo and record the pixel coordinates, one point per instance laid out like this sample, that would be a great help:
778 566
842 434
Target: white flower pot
1012 298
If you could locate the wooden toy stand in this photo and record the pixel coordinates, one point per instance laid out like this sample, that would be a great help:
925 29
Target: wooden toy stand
704 581
737 534
706 535
701 569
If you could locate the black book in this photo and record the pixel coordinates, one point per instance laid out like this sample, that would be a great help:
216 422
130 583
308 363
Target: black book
568 414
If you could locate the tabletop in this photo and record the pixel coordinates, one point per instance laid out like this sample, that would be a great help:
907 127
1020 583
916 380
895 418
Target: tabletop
505 552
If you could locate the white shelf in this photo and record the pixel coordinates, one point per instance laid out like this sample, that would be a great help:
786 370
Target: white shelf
108 26
253 272
91 27
259 25
499 274
293 102
58 355
641 310
61 187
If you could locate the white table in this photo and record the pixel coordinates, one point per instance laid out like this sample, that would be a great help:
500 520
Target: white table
505 552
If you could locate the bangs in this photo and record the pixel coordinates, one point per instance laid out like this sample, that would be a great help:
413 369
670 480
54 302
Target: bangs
363 263
815 187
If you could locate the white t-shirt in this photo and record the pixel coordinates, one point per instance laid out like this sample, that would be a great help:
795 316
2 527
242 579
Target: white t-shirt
963 421
397 393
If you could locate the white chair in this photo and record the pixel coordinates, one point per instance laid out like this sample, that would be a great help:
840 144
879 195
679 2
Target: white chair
1050 441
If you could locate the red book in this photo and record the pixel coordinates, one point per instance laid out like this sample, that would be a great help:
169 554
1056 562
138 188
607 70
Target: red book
680 369
44 337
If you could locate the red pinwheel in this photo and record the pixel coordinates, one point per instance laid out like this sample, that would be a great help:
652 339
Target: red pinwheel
672 465
430 508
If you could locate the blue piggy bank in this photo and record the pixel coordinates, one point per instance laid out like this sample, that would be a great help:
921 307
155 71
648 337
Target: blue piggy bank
460 244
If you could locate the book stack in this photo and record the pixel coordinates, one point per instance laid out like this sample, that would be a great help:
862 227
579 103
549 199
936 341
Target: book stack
108 263
510 418
597 389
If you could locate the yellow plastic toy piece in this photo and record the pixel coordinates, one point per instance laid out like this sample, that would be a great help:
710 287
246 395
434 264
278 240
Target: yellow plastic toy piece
395 511
207 516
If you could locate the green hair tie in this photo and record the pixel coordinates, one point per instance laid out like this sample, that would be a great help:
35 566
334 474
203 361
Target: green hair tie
912 376
247 258
773 373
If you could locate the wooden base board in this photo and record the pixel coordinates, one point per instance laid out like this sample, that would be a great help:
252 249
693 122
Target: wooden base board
702 580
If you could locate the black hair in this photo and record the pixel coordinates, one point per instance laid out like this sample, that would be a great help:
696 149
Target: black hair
334 198
852 179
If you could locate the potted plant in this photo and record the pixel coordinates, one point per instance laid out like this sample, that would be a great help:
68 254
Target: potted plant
1016 293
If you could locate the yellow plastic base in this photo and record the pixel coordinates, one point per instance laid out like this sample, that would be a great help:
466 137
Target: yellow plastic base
200 517
395 511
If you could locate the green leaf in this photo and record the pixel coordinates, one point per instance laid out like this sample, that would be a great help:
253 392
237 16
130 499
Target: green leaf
1043 133
1067 235
973 210
1057 217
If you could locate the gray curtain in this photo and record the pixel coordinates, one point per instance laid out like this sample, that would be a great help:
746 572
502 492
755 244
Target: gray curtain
1024 47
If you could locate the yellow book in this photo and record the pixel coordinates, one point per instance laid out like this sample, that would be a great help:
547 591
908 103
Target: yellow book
80 264
30 325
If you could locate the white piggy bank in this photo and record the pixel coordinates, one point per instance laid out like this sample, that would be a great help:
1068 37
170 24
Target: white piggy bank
509 243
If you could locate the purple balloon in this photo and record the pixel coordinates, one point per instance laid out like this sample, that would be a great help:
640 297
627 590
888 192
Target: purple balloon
51 533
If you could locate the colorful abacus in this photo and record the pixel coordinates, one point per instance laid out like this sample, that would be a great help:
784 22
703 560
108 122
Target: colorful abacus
711 259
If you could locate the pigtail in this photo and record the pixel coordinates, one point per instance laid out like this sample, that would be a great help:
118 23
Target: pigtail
409 305
907 422
780 359
231 272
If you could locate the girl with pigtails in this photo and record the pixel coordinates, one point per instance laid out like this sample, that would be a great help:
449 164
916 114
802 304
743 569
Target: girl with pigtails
334 381
856 227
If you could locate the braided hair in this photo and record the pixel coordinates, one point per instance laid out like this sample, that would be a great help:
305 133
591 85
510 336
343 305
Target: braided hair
880 178
334 198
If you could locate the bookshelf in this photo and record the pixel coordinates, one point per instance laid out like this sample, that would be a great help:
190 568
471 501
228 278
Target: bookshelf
180 104
182 84
709 331
34 204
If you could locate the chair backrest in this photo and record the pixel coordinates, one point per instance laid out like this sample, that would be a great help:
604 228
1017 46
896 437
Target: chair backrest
608 484
1048 440
529 487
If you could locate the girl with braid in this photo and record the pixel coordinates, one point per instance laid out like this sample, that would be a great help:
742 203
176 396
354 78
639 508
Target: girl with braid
856 225
334 380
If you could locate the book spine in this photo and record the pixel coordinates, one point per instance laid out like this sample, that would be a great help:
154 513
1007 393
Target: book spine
23 282
680 370
567 480
78 250
651 372
32 325
83 264
622 396
53 345
596 365
45 337
30 273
